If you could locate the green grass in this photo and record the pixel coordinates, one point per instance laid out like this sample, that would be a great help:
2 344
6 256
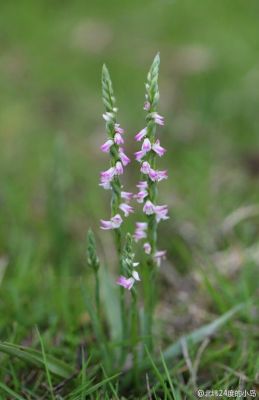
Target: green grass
51 129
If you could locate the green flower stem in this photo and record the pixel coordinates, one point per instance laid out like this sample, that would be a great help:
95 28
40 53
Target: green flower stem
110 107
151 272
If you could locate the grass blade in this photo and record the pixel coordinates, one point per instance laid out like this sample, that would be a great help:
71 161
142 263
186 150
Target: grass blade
34 357
201 333
6 389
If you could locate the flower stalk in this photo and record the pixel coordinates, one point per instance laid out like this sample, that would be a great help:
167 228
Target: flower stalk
150 176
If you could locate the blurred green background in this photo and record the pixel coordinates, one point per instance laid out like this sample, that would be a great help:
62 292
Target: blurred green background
51 129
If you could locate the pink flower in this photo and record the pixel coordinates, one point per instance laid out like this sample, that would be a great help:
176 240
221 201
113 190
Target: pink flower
139 155
140 196
146 146
114 223
159 256
161 213
124 158
127 283
107 176
106 146
118 168
145 167
159 120
141 225
142 185
126 208
147 248
105 185
140 232
126 195
157 176
149 208
118 139
139 136
147 106
118 129
158 149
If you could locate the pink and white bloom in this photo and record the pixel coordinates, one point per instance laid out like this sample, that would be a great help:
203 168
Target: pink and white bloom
105 185
147 248
159 120
146 146
145 167
140 232
127 283
106 146
159 150
140 196
114 223
118 168
118 129
139 155
126 195
161 212
147 106
124 158
126 208
142 185
149 208
157 176
107 176
118 139
159 256
140 135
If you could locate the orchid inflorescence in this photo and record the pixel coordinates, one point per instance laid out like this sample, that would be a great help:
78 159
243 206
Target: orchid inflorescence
146 230
150 176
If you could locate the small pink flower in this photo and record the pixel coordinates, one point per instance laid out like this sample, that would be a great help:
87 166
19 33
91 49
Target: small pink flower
147 106
124 158
142 185
126 208
145 167
141 225
105 185
139 155
107 176
146 146
159 256
147 248
140 232
118 168
127 283
114 223
126 195
161 213
118 129
118 139
159 120
106 146
149 208
139 136
157 176
158 149
140 196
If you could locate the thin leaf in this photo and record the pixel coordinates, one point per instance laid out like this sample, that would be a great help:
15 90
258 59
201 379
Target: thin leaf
14 395
201 333
111 303
34 357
